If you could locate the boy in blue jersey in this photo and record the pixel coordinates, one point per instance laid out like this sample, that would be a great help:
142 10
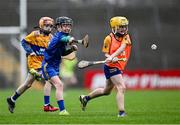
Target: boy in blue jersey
53 54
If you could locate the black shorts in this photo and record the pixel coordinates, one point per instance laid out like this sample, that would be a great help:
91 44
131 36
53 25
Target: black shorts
111 71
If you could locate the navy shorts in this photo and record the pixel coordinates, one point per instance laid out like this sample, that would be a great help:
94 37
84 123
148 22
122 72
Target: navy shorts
49 71
111 71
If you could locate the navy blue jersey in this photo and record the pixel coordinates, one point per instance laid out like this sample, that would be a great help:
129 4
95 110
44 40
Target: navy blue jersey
56 48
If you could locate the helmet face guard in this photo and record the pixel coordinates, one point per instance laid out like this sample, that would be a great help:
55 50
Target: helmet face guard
46 25
65 24
119 24
44 21
120 30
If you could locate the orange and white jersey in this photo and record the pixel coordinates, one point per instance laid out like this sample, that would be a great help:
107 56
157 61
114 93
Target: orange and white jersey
111 44
38 43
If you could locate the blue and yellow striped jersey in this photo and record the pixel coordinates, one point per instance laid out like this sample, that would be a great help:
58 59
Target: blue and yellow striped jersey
37 43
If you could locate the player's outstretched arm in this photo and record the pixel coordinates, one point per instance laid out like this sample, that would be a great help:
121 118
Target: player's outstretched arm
84 41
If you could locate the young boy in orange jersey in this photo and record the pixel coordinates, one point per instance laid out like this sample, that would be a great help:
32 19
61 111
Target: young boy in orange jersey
35 44
116 45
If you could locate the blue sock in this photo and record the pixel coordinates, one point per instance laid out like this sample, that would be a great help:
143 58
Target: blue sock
15 96
61 105
87 98
46 100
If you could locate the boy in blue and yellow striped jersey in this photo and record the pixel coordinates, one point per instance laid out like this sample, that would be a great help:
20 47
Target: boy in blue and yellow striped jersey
35 44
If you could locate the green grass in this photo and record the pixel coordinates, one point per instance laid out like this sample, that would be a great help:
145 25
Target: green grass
142 107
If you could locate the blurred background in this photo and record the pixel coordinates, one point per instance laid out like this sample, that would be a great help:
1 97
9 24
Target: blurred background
151 21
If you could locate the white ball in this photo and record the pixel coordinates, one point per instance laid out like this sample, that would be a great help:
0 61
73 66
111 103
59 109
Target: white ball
153 47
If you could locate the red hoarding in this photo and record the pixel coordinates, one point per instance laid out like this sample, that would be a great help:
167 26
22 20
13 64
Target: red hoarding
137 79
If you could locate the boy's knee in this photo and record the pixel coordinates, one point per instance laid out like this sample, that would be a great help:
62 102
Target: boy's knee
59 85
121 88
28 86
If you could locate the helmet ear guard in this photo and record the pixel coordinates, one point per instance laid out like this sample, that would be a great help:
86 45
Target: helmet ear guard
114 30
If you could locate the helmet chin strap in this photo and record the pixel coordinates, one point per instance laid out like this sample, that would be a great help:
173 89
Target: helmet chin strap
119 35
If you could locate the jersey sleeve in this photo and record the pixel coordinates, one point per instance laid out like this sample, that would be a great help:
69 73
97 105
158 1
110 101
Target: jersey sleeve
65 38
106 44
126 39
26 46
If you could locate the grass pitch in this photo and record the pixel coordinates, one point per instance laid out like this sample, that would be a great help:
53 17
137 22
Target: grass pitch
142 107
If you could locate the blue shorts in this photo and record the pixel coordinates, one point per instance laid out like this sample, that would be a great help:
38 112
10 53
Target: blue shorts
49 71
111 71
